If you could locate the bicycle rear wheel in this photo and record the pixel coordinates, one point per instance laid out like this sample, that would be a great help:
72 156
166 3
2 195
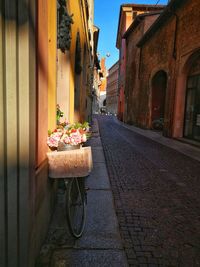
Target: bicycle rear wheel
75 206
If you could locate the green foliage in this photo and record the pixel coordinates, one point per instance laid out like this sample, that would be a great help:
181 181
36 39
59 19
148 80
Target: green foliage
59 114
78 125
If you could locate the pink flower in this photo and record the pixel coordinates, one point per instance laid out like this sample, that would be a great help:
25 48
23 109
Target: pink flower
68 134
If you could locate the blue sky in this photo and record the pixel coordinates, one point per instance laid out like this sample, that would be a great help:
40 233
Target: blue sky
106 14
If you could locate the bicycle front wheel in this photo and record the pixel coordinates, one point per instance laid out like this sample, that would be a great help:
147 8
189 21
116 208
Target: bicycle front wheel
75 207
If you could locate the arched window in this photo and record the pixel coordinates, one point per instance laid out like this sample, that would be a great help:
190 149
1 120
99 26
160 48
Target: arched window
192 106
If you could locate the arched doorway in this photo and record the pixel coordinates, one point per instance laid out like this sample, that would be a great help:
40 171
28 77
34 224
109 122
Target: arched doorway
159 84
192 106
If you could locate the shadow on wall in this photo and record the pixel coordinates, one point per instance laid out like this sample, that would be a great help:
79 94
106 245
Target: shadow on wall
22 12
10 10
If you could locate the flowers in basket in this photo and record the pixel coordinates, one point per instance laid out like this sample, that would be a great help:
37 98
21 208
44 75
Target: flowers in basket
68 134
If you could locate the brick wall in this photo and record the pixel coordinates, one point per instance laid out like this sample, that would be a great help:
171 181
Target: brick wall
112 89
133 69
156 55
171 48
168 50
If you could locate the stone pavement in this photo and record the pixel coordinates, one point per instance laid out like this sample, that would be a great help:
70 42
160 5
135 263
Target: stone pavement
181 145
100 244
156 193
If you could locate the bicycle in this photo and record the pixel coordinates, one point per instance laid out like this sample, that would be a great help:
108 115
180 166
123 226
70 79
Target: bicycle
72 166
76 205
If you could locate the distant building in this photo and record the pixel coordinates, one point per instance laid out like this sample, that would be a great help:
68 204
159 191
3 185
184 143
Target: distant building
96 75
103 83
112 89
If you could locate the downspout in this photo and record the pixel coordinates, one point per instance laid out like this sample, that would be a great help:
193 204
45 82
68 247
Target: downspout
140 56
119 83
174 56
140 59
175 33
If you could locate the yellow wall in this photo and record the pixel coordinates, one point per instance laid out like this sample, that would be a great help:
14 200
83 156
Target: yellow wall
77 8
52 47
66 75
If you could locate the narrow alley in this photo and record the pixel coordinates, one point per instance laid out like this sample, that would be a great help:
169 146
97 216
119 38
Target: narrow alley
100 133
143 207
156 194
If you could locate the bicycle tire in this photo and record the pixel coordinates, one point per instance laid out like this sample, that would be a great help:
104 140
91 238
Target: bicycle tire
75 207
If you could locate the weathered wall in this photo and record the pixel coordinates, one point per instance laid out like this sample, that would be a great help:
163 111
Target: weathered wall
132 68
26 194
156 55
125 21
28 46
112 89
63 83
127 17
42 189
187 50
80 18
132 87
17 149
172 49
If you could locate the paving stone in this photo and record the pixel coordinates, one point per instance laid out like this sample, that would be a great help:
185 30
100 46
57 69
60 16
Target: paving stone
101 229
156 193
98 155
100 244
98 178
88 258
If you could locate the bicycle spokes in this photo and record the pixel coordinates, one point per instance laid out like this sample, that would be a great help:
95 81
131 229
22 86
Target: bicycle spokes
75 207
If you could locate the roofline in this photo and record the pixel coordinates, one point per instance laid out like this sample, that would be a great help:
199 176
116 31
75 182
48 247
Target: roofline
96 27
137 21
168 12
96 34
114 65
138 6
142 5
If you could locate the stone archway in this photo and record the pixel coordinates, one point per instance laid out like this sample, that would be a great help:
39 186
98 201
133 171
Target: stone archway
159 85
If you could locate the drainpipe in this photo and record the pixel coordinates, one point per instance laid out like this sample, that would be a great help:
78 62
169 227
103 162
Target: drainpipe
174 55
140 59
140 56
175 33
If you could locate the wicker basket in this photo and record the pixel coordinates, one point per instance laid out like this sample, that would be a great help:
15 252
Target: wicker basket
73 163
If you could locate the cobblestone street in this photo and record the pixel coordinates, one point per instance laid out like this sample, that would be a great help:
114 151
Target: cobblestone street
156 194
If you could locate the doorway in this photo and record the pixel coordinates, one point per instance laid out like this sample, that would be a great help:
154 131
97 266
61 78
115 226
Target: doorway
159 84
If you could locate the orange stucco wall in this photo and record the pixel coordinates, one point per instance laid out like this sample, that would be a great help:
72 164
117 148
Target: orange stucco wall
42 81
52 64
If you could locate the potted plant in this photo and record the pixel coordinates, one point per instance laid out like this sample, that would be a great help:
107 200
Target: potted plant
68 136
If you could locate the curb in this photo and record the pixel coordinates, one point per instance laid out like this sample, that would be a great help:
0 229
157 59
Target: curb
184 148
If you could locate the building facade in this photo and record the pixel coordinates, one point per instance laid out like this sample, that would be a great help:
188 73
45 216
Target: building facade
128 13
132 80
44 61
112 89
96 78
103 84
168 72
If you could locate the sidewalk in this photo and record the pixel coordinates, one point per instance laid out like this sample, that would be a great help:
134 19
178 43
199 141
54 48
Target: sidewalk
100 244
187 149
